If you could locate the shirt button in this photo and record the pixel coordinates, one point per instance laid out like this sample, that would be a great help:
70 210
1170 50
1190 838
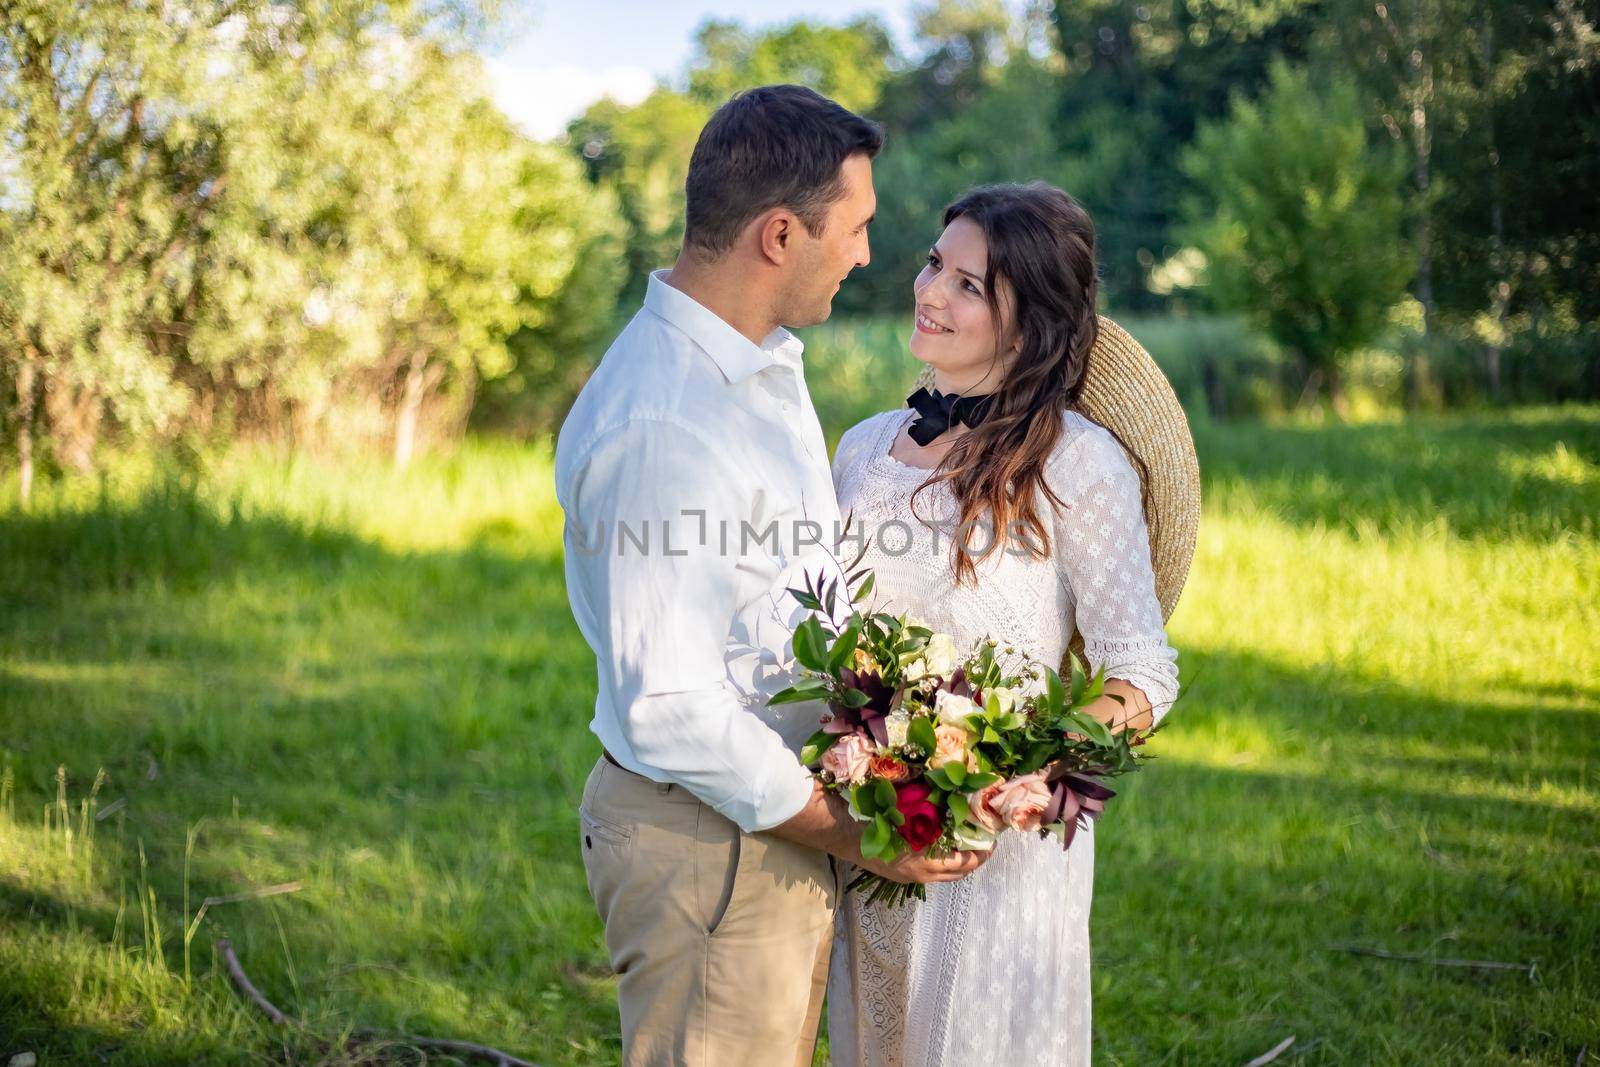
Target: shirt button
788 406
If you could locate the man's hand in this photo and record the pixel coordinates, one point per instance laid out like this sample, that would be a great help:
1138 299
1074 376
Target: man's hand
914 868
825 824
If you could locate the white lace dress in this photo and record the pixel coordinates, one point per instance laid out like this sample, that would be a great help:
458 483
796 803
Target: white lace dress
995 968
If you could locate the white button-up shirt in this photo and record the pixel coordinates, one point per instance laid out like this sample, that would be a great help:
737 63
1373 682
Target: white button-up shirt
696 485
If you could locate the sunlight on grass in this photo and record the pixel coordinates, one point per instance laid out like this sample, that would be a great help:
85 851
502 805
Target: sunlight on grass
368 684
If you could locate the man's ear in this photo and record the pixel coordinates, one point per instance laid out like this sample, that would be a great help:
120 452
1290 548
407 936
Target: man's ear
776 234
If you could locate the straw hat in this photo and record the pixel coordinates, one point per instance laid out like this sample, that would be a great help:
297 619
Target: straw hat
1124 391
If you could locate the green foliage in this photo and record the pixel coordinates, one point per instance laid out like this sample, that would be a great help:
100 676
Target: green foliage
642 153
1301 219
847 63
308 219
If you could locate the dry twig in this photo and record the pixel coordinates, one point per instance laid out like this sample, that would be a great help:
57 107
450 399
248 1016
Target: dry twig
1272 1053
468 1048
1409 957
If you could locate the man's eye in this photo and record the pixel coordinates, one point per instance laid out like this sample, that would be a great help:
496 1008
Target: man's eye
933 260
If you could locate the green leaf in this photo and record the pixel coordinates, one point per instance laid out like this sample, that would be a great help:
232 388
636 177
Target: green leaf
883 793
845 646
875 838
936 776
980 780
920 733
811 689
816 745
811 645
864 797
855 698
959 806
956 773
1096 687
865 590
1090 727
807 601
1054 694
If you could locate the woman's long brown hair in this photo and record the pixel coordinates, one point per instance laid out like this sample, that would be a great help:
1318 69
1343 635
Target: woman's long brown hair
1042 243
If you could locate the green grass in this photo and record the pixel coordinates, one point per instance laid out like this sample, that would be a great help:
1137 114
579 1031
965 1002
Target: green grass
368 683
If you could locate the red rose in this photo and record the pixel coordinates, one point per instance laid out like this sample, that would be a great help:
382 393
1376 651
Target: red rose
923 824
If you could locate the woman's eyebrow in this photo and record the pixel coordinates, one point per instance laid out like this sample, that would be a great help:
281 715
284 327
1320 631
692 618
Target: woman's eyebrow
959 270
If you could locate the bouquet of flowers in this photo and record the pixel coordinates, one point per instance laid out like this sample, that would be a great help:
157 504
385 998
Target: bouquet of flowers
938 748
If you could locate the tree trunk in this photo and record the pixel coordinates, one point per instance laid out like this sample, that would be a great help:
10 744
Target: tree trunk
411 396
26 383
1336 398
73 413
1501 289
1422 171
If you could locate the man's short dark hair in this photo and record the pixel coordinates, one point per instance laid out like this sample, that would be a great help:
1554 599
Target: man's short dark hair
776 145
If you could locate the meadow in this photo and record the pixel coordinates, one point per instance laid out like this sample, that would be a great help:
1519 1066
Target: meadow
226 671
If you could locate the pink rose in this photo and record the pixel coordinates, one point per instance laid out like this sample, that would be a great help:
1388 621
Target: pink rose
849 759
1021 801
981 812
949 745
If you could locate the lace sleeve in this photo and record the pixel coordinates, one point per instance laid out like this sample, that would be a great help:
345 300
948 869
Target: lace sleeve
851 442
1102 551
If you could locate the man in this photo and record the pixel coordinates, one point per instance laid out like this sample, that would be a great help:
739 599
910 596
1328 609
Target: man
696 486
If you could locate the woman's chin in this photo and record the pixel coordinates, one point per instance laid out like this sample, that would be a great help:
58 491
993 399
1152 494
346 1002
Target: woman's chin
919 347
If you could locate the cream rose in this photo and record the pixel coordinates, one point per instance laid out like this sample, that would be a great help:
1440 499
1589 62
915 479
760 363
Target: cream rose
952 709
896 726
940 654
1006 698
949 745
1021 801
849 759
969 838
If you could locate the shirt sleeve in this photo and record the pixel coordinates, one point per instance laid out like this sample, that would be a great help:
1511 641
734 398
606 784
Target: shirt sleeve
1102 549
660 617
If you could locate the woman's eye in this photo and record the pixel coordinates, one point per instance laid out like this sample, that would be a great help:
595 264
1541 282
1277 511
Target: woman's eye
973 289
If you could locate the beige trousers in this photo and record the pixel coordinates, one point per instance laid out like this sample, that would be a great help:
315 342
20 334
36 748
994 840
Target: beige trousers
720 938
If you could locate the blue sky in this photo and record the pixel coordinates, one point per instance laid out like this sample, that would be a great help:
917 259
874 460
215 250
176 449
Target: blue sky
566 54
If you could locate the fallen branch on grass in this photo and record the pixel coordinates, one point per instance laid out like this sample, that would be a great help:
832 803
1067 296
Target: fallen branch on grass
246 987
1409 957
1272 1053
254 995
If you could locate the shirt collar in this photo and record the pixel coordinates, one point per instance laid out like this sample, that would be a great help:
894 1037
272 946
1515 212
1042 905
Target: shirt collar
729 349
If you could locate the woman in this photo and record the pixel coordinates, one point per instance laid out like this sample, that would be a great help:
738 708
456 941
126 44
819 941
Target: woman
995 968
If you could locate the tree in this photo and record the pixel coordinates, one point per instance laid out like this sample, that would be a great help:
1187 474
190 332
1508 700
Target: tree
640 154
848 64
1498 105
309 216
1301 219
107 184
1137 80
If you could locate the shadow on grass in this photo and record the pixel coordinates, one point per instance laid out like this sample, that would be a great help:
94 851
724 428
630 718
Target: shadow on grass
405 734
1231 882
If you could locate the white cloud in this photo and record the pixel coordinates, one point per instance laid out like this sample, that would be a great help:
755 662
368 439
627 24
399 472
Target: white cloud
541 99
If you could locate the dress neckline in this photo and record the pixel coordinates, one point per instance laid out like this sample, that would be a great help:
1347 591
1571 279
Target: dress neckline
880 450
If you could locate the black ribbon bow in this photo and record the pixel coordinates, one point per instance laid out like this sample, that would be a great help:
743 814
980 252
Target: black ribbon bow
937 412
